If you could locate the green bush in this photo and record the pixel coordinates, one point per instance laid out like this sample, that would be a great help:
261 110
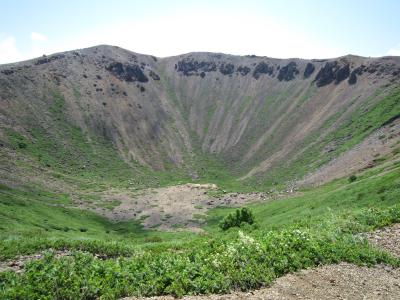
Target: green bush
22 145
236 219
352 178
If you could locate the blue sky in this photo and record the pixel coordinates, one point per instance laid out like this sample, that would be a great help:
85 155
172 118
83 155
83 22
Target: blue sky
280 28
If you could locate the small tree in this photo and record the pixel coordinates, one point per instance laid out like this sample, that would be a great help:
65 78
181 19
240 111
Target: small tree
237 218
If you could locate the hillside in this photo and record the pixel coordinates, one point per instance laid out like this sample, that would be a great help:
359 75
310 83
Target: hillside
116 169
265 121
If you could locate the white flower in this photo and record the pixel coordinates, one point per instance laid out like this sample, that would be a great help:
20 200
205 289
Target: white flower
245 239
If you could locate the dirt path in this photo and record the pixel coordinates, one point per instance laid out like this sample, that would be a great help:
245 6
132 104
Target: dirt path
342 281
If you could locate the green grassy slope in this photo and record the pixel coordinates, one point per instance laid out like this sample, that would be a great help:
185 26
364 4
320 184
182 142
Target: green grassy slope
290 234
33 219
378 187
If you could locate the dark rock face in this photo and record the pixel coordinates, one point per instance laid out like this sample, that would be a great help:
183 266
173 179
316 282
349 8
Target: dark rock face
332 72
154 75
288 72
372 68
191 67
326 74
129 73
352 78
227 69
243 70
262 68
308 70
7 72
388 69
353 75
342 74
45 59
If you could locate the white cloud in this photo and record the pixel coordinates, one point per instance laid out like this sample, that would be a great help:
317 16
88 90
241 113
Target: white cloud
38 37
8 50
394 51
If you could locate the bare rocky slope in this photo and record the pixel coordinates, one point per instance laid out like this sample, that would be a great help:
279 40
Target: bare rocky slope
264 120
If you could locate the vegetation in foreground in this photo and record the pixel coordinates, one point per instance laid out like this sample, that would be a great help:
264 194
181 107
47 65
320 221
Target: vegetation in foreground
215 262
237 261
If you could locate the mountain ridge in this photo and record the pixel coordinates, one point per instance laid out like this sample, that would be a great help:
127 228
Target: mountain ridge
197 52
256 115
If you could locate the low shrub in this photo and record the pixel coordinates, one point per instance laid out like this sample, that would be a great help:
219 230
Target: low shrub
352 178
240 216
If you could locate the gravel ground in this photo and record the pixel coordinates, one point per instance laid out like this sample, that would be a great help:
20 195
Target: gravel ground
387 238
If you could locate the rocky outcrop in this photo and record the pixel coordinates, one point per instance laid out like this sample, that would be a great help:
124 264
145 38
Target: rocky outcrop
45 59
243 70
326 74
353 75
288 72
332 72
7 72
191 67
154 75
342 74
308 70
127 72
262 68
227 69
